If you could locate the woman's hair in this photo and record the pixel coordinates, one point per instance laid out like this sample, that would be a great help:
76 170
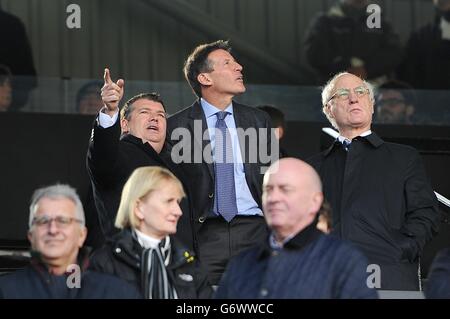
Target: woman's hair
142 182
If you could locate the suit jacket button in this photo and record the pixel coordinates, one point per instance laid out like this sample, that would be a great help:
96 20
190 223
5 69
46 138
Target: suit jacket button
201 220
211 195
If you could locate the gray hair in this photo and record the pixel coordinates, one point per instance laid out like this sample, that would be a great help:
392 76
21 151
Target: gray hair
328 89
56 191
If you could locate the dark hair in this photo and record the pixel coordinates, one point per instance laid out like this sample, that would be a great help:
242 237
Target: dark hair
197 62
404 88
128 106
5 74
88 88
276 115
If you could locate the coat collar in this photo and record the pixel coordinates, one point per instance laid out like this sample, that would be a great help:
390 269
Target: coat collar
127 246
302 239
373 139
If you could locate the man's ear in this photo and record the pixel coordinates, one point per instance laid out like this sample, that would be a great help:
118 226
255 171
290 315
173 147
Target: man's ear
317 201
327 111
204 79
83 235
124 126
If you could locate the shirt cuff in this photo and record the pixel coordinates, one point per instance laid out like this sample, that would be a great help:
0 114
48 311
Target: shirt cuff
105 121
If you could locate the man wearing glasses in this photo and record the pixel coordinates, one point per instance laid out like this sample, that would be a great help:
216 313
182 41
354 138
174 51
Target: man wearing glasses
379 192
56 233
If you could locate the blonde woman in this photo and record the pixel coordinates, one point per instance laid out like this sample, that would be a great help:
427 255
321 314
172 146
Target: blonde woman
144 253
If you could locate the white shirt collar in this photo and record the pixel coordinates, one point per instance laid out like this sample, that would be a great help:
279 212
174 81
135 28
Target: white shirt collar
211 110
146 241
342 138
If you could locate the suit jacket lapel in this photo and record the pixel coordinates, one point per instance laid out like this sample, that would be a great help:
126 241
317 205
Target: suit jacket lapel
243 122
198 141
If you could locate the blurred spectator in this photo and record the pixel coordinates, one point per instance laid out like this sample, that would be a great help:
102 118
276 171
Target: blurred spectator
278 123
427 62
5 88
58 267
15 52
89 99
395 103
341 40
438 285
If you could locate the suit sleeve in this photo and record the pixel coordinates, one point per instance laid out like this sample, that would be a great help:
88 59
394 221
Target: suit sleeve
422 215
103 152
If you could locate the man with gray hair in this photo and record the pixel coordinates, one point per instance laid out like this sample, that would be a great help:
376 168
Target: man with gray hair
57 270
379 192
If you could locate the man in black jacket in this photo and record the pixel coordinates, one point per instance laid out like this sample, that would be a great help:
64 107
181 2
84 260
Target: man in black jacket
112 158
58 265
379 192
221 146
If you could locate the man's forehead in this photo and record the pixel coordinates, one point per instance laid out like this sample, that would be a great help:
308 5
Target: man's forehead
348 81
149 105
220 54
60 204
279 177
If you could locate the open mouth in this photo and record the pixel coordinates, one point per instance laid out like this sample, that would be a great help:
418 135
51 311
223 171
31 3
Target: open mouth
152 127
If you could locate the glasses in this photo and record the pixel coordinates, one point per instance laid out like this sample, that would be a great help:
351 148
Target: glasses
61 221
344 94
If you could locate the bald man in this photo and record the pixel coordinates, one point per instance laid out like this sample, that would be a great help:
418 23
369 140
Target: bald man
379 192
297 260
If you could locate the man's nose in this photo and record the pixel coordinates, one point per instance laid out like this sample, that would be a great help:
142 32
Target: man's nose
52 228
238 67
353 97
272 196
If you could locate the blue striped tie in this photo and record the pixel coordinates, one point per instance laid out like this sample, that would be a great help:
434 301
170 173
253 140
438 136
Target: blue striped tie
225 199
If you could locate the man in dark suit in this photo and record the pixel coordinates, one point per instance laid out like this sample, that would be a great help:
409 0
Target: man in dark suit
379 192
226 190
112 158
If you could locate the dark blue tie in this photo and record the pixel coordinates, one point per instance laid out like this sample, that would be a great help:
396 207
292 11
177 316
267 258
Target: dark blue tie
225 199
346 144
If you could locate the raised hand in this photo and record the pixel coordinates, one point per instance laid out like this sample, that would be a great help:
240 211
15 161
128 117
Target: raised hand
112 93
